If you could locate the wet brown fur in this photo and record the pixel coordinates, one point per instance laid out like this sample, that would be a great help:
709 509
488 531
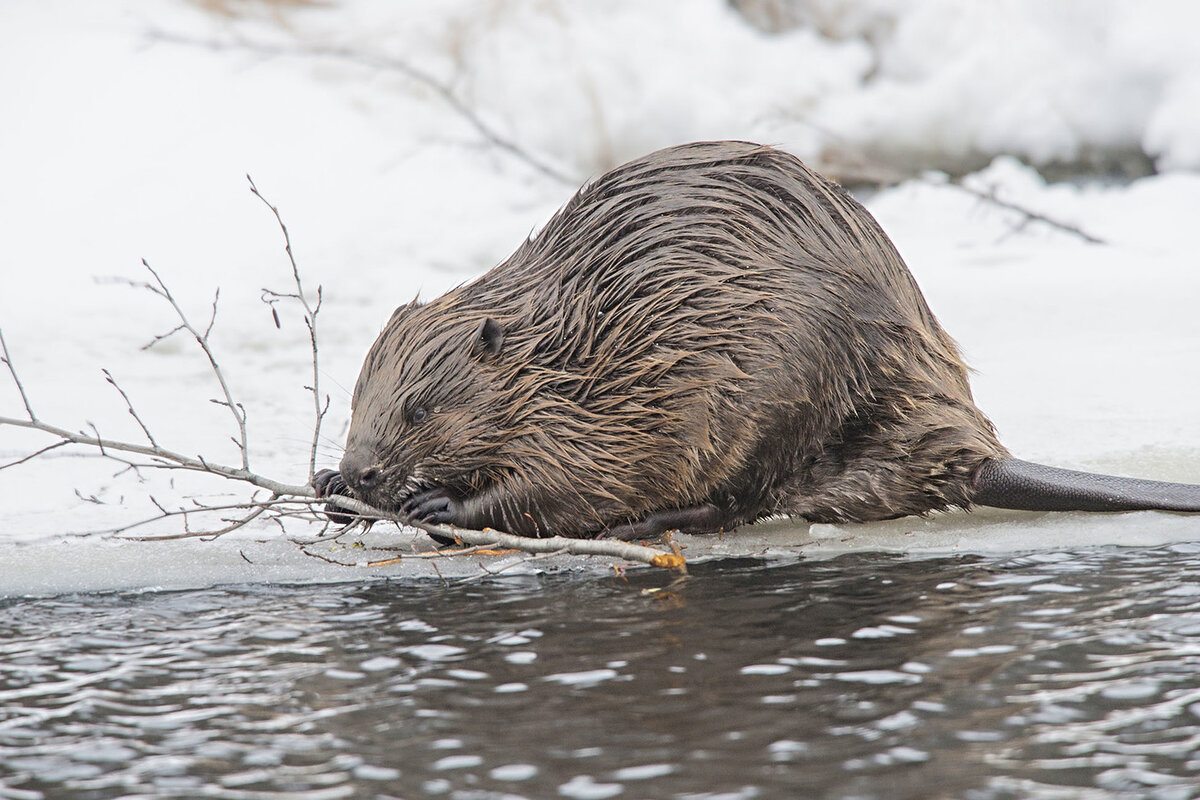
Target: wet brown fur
711 325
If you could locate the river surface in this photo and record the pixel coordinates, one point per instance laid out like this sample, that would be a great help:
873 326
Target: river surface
1054 675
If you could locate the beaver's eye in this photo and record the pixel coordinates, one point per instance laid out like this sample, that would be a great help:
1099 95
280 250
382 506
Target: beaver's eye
419 414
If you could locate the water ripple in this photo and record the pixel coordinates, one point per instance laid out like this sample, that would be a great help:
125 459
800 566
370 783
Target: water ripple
1072 674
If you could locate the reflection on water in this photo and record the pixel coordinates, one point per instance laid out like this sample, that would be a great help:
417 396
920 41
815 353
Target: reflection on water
1053 675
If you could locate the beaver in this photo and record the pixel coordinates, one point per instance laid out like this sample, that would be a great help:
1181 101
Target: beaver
701 338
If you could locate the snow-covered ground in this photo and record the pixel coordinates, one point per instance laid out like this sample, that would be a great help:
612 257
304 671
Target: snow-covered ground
127 128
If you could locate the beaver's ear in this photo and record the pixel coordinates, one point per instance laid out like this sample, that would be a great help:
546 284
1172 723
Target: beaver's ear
487 339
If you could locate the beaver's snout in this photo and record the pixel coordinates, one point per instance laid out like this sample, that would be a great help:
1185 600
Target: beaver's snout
361 471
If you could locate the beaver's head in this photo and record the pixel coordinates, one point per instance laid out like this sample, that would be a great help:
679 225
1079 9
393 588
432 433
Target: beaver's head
422 411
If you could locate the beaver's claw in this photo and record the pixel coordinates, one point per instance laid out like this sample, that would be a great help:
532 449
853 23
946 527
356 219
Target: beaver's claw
434 506
327 483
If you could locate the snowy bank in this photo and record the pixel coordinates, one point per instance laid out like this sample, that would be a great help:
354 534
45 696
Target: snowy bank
121 142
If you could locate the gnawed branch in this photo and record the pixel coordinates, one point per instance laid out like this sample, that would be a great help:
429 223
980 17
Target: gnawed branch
549 544
291 493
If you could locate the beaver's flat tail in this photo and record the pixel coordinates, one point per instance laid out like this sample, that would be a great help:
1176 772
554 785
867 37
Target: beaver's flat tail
1012 483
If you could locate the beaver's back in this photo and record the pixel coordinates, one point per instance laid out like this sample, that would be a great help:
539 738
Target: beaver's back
717 323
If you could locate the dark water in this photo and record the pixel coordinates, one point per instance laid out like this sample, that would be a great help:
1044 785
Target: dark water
1056 675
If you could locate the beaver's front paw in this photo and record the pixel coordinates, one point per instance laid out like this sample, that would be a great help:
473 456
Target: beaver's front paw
436 507
327 483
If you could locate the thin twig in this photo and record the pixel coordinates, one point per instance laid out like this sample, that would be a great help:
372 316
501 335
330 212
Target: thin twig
328 560
197 464
159 336
202 340
485 572
212 320
7 359
438 87
256 508
98 440
32 456
129 404
310 320
439 554
990 196
860 168
207 535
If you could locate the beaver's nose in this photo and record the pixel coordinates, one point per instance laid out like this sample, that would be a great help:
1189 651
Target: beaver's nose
360 470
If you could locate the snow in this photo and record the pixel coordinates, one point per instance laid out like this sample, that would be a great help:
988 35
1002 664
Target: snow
127 128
